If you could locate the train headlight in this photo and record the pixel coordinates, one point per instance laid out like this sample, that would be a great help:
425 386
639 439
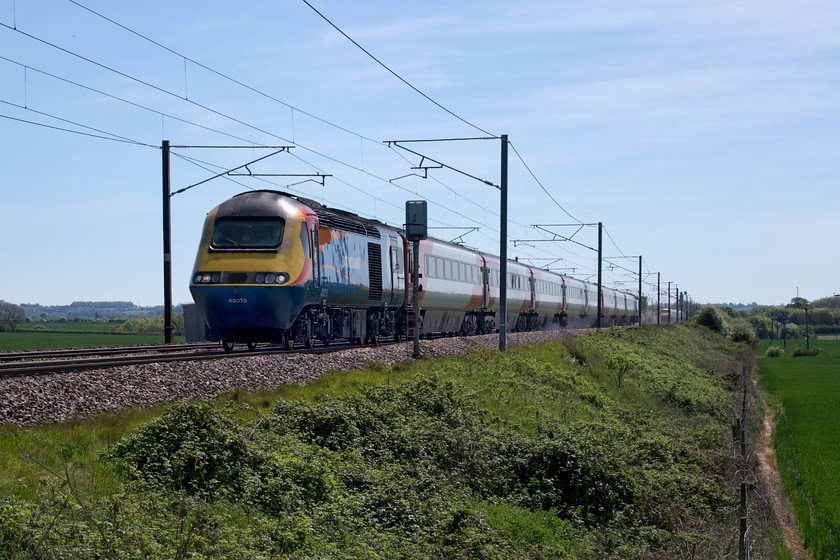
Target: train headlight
207 278
271 277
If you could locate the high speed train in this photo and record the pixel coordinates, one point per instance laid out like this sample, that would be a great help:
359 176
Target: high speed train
273 267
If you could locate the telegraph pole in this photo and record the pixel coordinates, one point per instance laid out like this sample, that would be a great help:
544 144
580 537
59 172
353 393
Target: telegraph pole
503 246
167 218
658 299
677 300
167 249
600 246
503 188
640 290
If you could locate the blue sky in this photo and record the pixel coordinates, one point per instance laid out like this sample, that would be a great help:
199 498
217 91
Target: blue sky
704 135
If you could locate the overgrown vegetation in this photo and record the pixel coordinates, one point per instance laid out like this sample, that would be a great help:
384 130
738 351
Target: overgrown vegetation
726 321
613 445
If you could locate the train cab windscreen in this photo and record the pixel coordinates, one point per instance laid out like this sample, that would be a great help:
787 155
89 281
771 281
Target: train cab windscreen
247 234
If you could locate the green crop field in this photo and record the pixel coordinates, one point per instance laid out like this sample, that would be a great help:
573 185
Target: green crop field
69 326
57 340
805 390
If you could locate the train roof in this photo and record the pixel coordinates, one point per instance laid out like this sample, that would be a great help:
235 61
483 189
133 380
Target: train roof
264 203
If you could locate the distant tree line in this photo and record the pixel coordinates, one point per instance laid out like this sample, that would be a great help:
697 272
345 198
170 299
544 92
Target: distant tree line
789 321
11 316
92 310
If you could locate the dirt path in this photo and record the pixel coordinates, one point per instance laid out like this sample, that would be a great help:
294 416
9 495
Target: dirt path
770 473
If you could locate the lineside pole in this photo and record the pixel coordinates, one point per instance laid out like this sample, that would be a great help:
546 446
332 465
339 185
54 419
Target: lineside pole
503 245
167 248
658 299
415 245
677 300
640 290
600 229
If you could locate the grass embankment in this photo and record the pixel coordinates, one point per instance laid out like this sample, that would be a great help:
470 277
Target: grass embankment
805 391
621 452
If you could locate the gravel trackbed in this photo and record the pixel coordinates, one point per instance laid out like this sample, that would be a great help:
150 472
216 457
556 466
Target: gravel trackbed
58 397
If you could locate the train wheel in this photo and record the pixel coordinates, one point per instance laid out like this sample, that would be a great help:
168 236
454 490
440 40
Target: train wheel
397 337
309 342
325 341
227 345
252 346
374 339
287 342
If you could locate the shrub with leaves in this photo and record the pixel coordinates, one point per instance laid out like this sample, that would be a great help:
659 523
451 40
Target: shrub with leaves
190 448
774 351
710 319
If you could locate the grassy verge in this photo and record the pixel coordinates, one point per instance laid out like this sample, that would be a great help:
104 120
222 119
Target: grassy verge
807 439
612 445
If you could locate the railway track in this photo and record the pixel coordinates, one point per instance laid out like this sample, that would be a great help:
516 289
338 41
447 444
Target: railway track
30 363
33 363
17 364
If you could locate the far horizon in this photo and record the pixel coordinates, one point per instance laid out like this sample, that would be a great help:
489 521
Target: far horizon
663 302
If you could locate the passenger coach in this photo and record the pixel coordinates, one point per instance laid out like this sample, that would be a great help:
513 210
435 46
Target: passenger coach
272 267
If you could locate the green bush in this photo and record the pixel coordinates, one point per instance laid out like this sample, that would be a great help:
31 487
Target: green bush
190 448
774 351
709 318
801 352
743 336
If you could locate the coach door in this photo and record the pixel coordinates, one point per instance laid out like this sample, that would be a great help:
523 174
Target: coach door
397 271
485 284
316 255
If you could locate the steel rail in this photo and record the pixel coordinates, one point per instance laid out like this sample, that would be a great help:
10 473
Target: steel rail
200 352
103 351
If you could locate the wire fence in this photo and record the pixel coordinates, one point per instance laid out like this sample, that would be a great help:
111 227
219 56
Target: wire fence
740 452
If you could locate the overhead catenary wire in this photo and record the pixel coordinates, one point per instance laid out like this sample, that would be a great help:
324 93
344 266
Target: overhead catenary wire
218 73
293 108
554 200
400 78
112 137
214 111
361 169
27 67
